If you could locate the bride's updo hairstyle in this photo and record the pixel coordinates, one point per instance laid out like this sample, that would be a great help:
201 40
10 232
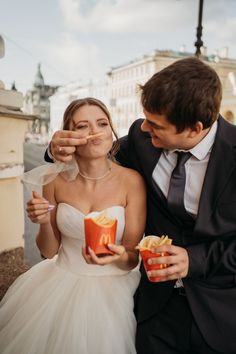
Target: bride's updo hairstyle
89 101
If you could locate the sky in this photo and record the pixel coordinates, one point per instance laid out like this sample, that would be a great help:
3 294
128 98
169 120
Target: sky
80 40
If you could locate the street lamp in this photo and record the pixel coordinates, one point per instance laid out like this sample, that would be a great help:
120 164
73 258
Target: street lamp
199 43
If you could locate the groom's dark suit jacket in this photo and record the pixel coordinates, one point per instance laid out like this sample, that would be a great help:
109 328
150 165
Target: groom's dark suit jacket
211 242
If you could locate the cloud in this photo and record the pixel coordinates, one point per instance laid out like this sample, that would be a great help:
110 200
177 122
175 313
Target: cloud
221 34
119 16
97 33
219 25
78 61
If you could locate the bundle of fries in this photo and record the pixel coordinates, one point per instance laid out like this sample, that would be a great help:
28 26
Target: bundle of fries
104 220
149 242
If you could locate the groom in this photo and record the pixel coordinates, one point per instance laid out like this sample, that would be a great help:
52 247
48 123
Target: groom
186 153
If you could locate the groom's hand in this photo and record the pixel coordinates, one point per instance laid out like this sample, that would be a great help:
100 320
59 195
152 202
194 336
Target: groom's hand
63 144
177 259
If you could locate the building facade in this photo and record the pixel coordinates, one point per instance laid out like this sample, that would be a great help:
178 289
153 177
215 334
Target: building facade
13 126
65 94
120 88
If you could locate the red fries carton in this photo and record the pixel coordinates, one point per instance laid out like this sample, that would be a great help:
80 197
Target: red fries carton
99 232
145 246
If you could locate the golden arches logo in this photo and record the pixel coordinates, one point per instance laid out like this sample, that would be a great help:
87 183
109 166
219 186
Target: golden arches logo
105 239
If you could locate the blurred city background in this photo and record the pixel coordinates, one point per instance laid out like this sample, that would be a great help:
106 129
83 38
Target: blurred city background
52 52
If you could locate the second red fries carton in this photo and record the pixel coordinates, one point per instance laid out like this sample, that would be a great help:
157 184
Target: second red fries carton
145 246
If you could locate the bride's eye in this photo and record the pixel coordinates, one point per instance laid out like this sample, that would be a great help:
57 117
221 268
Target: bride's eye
82 126
103 124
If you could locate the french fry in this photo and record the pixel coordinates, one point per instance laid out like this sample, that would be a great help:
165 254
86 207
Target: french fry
163 240
94 136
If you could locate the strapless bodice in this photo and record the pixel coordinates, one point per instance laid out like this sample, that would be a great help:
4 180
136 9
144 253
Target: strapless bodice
70 222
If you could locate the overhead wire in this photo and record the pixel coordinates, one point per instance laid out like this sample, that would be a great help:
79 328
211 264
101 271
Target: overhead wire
35 58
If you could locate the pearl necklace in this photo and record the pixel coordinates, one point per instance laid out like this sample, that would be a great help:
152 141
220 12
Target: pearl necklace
96 178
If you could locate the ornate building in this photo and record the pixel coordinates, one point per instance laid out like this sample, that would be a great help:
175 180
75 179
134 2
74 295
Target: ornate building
125 79
37 102
120 88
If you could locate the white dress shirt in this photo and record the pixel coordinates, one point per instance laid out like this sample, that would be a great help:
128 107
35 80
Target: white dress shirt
195 168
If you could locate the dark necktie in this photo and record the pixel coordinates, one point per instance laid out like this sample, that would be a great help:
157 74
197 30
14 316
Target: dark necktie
175 198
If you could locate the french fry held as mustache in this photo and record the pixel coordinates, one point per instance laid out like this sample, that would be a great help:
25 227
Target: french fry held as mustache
94 136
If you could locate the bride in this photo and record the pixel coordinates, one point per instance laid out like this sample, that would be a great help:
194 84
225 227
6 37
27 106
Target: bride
76 302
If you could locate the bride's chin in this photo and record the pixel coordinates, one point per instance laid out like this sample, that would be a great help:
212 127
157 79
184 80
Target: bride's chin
93 152
90 156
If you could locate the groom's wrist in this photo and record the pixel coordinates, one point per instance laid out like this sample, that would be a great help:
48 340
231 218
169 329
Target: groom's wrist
48 154
50 151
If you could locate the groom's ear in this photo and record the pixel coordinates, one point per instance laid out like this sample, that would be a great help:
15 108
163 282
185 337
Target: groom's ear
196 130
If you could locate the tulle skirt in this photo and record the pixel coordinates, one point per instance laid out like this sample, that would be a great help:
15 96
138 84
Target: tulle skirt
48 310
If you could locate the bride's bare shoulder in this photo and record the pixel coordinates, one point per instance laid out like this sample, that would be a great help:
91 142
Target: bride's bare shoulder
128 174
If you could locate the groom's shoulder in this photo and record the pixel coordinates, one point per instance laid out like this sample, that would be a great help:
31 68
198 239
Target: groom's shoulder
135 133
136 126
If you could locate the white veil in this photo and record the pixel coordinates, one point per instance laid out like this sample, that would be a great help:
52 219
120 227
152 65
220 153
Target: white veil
42 175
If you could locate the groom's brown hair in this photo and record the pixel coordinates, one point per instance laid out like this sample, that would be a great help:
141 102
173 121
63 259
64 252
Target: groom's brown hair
186 92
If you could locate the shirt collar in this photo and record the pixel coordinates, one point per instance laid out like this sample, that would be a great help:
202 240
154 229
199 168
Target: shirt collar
201 150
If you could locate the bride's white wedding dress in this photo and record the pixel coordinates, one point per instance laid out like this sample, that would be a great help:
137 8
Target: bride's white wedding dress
66 306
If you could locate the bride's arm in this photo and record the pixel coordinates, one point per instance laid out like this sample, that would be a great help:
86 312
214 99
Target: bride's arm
48 238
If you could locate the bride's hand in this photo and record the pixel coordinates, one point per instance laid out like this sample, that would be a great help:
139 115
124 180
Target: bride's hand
38 209
91 258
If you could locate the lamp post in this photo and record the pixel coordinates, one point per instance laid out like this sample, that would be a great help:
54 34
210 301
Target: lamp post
199 43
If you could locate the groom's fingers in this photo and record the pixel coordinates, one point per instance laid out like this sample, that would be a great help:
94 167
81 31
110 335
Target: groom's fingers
60 134
67 138
69 142
63 144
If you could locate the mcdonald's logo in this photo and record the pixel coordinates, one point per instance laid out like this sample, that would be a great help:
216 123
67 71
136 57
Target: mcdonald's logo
105 239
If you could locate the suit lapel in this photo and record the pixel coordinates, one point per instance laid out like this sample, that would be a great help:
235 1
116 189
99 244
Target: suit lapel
221 164
148 157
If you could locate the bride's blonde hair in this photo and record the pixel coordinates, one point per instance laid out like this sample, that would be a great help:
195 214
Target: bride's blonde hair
90 101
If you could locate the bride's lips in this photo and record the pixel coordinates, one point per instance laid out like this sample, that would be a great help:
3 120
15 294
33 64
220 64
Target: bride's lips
96 141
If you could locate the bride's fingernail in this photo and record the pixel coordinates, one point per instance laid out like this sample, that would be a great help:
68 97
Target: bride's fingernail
51 207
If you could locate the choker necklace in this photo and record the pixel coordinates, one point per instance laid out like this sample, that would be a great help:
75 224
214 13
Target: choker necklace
96 178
